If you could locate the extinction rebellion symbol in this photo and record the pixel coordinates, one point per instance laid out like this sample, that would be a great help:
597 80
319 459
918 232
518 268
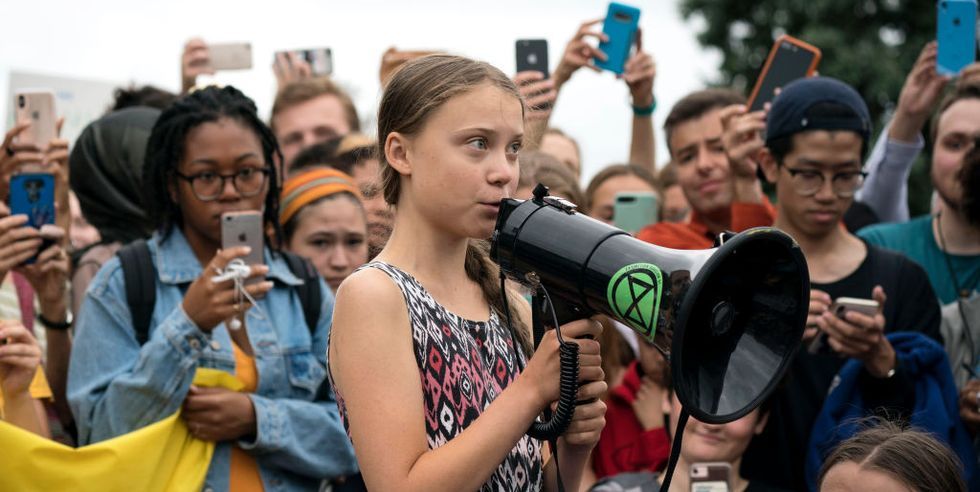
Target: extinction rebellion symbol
634 294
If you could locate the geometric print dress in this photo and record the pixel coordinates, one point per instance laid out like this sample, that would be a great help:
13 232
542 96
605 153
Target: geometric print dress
463 366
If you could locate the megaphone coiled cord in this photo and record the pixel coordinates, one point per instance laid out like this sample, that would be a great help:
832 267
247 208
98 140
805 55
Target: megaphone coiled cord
568 353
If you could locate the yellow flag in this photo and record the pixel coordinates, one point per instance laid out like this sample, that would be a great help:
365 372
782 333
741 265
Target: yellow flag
161 457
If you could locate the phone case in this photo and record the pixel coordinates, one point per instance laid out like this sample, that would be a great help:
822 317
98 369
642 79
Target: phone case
244 229
532 54
620 25
867 307
956 32
784 64
710 477
230 56
36 107
633 211
33 195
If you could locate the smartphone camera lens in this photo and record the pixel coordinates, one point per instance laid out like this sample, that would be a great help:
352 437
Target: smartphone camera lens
840 311
21 101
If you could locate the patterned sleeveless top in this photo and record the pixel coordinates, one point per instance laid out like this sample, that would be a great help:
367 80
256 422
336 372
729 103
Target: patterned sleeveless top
463 366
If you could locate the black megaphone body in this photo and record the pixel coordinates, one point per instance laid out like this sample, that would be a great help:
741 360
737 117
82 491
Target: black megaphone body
729 319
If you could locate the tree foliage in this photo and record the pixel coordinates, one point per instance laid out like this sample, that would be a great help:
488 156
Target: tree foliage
870 44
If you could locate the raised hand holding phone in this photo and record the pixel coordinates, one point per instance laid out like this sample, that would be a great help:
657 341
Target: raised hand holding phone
639 74
620 27
580 53
788 60
194 62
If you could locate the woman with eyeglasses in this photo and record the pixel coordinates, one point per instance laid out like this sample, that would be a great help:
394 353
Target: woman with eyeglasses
209 154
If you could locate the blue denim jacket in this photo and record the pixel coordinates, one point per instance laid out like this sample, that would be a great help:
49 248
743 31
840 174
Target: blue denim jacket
115 386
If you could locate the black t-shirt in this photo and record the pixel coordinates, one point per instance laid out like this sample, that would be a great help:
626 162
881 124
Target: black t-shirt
777 456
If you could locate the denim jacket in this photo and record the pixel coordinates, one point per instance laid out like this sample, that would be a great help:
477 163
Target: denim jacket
115 386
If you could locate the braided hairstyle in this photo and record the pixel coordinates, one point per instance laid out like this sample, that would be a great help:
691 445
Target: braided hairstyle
165 150
413 94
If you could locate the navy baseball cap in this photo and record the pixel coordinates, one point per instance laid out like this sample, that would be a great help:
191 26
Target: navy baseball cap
790 112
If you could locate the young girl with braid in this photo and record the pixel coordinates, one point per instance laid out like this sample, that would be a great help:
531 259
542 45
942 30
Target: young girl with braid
427 372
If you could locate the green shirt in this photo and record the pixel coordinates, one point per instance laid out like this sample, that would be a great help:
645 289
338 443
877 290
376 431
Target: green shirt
915 240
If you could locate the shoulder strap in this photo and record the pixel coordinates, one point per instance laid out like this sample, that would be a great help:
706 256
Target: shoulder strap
309 293
138 272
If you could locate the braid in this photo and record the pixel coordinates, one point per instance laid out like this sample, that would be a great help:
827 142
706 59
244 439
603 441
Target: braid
165 149
482 270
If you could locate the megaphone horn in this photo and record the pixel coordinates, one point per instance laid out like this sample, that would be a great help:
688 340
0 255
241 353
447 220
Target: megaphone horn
729 319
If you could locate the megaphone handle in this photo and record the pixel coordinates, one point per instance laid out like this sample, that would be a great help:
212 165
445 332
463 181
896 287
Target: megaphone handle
675 450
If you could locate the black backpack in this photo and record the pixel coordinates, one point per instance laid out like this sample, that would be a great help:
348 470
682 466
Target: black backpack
139 272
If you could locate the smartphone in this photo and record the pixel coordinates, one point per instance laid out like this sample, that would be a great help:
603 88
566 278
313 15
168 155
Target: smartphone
620 26
711 477
32 194
840 307
956 33
633 211
788 60
319 59
37 107
532 54
244 229
230 56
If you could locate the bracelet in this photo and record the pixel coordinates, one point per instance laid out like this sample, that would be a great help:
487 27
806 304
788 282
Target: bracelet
645 110
51 325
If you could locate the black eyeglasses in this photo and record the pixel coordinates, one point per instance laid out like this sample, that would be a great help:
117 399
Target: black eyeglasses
808 182
208 185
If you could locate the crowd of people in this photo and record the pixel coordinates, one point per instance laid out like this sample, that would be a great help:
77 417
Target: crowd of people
374 346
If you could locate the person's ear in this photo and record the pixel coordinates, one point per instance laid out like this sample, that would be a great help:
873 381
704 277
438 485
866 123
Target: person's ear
172 189
768 164
397 149
760 424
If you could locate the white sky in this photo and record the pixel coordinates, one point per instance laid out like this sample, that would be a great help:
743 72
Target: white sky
140 41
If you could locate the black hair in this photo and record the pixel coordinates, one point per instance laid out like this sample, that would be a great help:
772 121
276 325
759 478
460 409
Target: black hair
147 95
165 150
782 146
321 154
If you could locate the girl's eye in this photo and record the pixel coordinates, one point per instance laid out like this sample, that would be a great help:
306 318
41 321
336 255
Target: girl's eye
514 148
478 143
355 242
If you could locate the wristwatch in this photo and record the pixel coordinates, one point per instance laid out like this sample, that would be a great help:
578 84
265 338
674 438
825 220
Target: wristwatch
51 325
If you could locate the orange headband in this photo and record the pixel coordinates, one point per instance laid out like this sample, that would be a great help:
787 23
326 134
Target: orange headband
303 189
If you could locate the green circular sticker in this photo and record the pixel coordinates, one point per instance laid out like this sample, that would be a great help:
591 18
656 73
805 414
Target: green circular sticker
634 296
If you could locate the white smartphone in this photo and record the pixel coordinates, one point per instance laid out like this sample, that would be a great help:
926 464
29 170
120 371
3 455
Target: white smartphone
37 107
230 56
711 477
841 305
244 229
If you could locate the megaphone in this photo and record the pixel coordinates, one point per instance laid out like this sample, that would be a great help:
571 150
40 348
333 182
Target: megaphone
728 319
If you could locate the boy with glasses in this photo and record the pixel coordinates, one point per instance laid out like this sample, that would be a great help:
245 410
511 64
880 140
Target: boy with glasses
816 135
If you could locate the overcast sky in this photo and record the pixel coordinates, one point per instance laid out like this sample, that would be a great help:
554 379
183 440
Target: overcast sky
140 41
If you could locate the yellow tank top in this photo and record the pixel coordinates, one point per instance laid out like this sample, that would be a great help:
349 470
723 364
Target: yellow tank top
244 470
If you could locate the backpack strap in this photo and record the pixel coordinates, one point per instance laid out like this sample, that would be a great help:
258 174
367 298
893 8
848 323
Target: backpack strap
141 293
310 296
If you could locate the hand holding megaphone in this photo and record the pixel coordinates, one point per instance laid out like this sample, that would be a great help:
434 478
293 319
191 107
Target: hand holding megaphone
543 370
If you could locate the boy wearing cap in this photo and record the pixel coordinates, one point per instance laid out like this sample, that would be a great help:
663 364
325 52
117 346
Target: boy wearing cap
816 134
